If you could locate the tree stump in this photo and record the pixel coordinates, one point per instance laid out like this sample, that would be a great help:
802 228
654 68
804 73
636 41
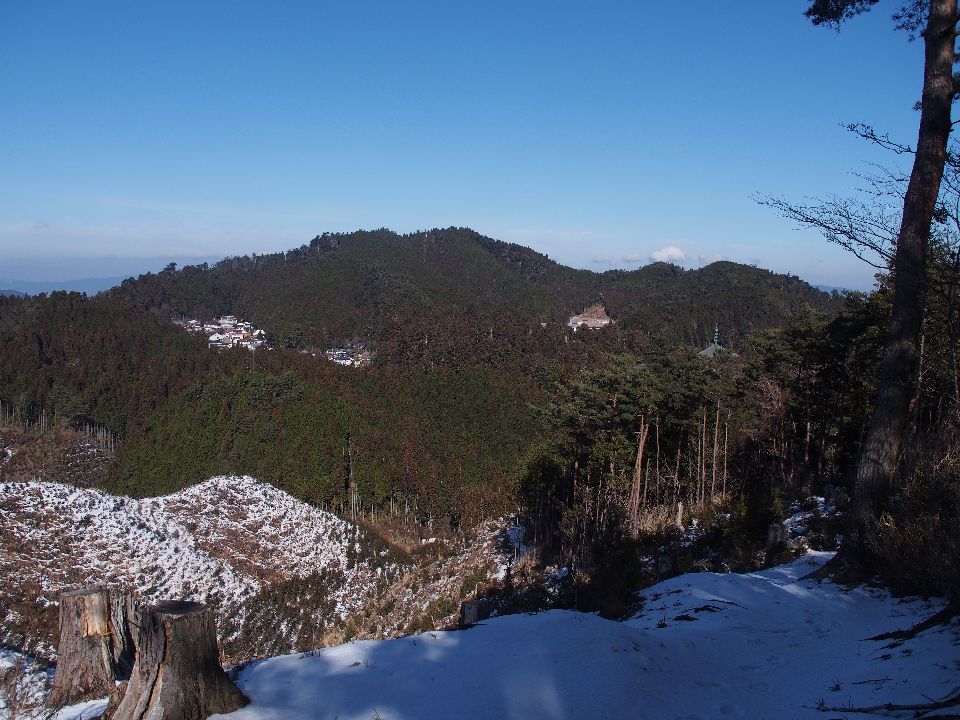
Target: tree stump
473 611
665 565
96 646
124 634
177 674
777 536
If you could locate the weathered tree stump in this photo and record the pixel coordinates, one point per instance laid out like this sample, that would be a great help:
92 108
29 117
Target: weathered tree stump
96 647
124 633
665 565
777 536
177 674
473 611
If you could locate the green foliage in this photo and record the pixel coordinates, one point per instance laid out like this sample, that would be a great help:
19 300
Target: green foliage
429 436
450 440
452 298
752 432
436 437
575 488
834 12
814 382
81 360
446 417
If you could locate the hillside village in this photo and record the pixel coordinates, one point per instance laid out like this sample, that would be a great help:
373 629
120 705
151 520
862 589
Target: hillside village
226 332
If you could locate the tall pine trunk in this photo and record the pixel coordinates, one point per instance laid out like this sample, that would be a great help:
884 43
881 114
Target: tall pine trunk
881 451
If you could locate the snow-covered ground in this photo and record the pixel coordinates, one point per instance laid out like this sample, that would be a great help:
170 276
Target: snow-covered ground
22 682
220 541
759 645
64 534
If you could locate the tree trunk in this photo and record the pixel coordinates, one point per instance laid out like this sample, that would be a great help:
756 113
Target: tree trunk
703 460
881 450
634 510
657 463
952 331
676 477
713 463
178 674
911 450
96 648
726 437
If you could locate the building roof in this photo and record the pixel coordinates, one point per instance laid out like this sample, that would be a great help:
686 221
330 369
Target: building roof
710 350
593 317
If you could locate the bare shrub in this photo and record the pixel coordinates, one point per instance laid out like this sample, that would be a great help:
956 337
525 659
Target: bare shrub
916 544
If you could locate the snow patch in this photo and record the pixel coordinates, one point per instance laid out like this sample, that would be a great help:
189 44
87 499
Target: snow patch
759 645
219 541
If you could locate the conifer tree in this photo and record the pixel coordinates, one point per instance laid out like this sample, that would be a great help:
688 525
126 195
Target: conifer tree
935 21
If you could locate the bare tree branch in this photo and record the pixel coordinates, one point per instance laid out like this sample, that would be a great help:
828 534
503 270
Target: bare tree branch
920 709
864 229
868 133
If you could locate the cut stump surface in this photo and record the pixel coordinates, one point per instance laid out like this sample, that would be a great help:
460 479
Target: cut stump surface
177 675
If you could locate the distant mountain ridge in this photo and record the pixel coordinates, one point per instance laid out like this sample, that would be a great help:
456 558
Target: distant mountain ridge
91 286
367 285
833 288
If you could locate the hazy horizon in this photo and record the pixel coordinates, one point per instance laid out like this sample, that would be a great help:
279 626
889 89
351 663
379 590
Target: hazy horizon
40 270
90 275
604 137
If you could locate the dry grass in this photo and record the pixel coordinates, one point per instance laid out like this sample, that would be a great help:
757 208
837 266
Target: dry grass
916 545
60 455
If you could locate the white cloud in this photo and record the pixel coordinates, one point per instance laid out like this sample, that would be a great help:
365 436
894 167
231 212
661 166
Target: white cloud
670 253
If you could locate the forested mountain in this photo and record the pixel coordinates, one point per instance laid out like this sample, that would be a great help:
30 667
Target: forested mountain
470 335
482 401
386 288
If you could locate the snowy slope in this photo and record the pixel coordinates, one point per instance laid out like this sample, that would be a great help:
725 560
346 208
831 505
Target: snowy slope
259 528
60 535
220 541
760 645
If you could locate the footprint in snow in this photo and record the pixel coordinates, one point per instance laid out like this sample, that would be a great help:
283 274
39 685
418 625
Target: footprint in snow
728 710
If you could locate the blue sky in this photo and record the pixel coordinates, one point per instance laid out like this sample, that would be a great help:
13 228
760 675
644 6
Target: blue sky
601 134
